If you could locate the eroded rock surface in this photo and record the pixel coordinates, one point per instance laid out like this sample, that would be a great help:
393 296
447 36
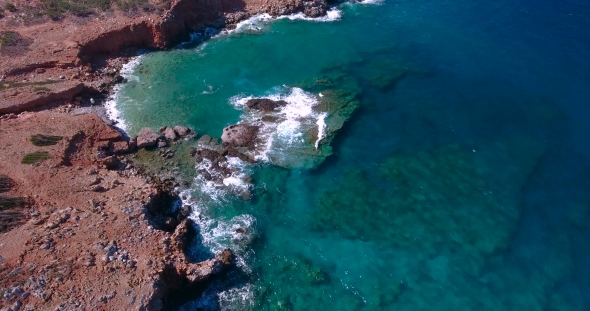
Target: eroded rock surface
265 104
240 135
147 138
85 237
182 131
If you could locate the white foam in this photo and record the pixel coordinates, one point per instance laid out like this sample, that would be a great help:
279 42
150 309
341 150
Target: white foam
332 15
375 2
194 36
294 120
321 122
289 131
127 72
258 23
215 298
300 104
236 182
241 298
210 89
218 235
253 24
221 187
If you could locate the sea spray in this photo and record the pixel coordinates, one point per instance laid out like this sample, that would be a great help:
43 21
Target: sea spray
285 139
116 98
321 122
334 14
259 23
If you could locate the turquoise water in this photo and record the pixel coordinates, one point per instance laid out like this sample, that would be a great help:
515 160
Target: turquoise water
460 183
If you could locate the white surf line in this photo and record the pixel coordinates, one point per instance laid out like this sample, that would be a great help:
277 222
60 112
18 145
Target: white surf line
321 122
111 103
334 14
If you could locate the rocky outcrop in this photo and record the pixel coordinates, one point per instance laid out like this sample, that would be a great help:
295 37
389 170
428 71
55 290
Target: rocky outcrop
60 65
203 271
185 16
240 135
119 147
313 8
147 138
13 101
265 104
170 134
179 238
182 131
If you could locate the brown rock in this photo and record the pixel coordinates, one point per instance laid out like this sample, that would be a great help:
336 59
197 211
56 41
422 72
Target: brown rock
205 139
133 144
110 163
119 147
109 134
98 188
102 145
182 131
147 138
204 270
162 143
180 236
265 104
240 135
170 134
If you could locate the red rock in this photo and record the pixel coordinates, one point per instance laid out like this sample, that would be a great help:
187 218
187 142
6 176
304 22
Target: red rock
147 138
170 134
119 147
182 131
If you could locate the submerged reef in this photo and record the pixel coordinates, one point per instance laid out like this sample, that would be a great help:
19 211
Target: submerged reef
447 214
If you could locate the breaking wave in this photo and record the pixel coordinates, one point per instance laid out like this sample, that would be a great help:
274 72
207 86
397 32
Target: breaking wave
127 72
283 139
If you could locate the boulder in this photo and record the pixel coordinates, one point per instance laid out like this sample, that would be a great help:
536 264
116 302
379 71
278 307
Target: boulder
162 143
182 131
170 134
202 271
132 143
240 135
205 140
265 104
110 163
181 235
119 147
147 138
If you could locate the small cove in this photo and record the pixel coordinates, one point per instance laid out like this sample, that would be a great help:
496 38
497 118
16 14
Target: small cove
460 182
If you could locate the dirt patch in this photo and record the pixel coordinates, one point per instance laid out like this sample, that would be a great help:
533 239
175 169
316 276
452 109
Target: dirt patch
12 43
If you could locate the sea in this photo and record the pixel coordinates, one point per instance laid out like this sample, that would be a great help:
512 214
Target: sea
461 181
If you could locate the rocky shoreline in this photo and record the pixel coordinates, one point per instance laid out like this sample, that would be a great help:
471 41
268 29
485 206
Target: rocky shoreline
82 226
83 59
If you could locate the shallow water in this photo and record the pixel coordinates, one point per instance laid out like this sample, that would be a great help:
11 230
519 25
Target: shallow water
461 182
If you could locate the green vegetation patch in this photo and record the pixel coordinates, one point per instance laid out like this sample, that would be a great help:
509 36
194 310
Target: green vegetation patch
35 157
10 7
10 203
57 9
41 140
10 85
11 213
5 183
41 89
8 38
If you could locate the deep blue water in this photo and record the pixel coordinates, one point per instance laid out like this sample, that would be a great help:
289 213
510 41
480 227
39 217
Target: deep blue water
460 183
